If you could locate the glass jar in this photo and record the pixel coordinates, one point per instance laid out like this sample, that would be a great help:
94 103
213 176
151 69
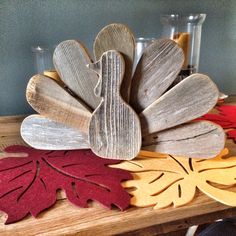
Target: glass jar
140 44
186 31
42 59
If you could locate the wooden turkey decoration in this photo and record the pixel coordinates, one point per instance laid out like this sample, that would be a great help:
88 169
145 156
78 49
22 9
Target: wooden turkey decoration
102 107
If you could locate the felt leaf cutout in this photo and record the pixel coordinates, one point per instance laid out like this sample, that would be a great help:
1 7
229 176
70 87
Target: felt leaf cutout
232 134
165 180
29 184
226 117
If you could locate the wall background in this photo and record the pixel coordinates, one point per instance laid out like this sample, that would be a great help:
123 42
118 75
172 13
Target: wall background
24 23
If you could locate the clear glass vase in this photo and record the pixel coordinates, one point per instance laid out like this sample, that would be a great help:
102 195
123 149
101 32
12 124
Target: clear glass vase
140 45
42 58
186 31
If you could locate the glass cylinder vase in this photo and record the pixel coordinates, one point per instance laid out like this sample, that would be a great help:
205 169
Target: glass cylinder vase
42 58
186 31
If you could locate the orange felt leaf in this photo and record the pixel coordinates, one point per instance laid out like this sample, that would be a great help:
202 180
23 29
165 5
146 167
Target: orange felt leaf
165 180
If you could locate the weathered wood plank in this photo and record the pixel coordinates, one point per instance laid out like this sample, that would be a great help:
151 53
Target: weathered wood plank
117 37
51 100
158 67
70 60
190 99
114 130
197 139
42 133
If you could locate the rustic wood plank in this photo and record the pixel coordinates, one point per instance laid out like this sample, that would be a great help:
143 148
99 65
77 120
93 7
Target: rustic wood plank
190 99
197 139
114 130
66 219
42 133
158 67
70 59
51 100
10 131
117 37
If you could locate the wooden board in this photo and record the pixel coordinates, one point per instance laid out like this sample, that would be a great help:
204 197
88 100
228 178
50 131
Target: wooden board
42 133
65 219
188 100
117 37
197 139
51 100
114 130
10 131
157 68
70 60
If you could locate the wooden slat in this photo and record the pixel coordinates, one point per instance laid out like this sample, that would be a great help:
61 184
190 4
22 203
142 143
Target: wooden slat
66 219
117 37
51 100
114 130
198 139
70 60
10 131
42 133
190 99
158 67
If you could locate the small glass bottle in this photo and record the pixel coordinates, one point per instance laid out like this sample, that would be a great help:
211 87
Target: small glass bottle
186 31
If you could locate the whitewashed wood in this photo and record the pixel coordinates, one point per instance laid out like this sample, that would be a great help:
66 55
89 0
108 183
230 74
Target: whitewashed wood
190 99
42 133
200 139
158 67
114 130
70 59
51 100
117 37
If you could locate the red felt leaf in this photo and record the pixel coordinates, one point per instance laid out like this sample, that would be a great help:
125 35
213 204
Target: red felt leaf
29 184
232 134
226 117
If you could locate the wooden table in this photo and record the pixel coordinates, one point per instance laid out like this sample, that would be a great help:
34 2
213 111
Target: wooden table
66 219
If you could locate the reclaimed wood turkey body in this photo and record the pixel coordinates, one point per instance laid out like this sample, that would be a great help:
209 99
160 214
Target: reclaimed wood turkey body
106 123
114 129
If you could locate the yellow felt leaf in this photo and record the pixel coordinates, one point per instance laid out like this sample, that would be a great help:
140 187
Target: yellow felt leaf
162 180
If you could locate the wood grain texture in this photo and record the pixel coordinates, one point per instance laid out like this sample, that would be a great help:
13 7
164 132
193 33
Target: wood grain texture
114 130
157 68
42 133
54 102
117 37
197 139
190 99
70 59
65 219
10 131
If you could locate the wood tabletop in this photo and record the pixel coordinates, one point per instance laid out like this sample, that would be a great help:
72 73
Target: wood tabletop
66 219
